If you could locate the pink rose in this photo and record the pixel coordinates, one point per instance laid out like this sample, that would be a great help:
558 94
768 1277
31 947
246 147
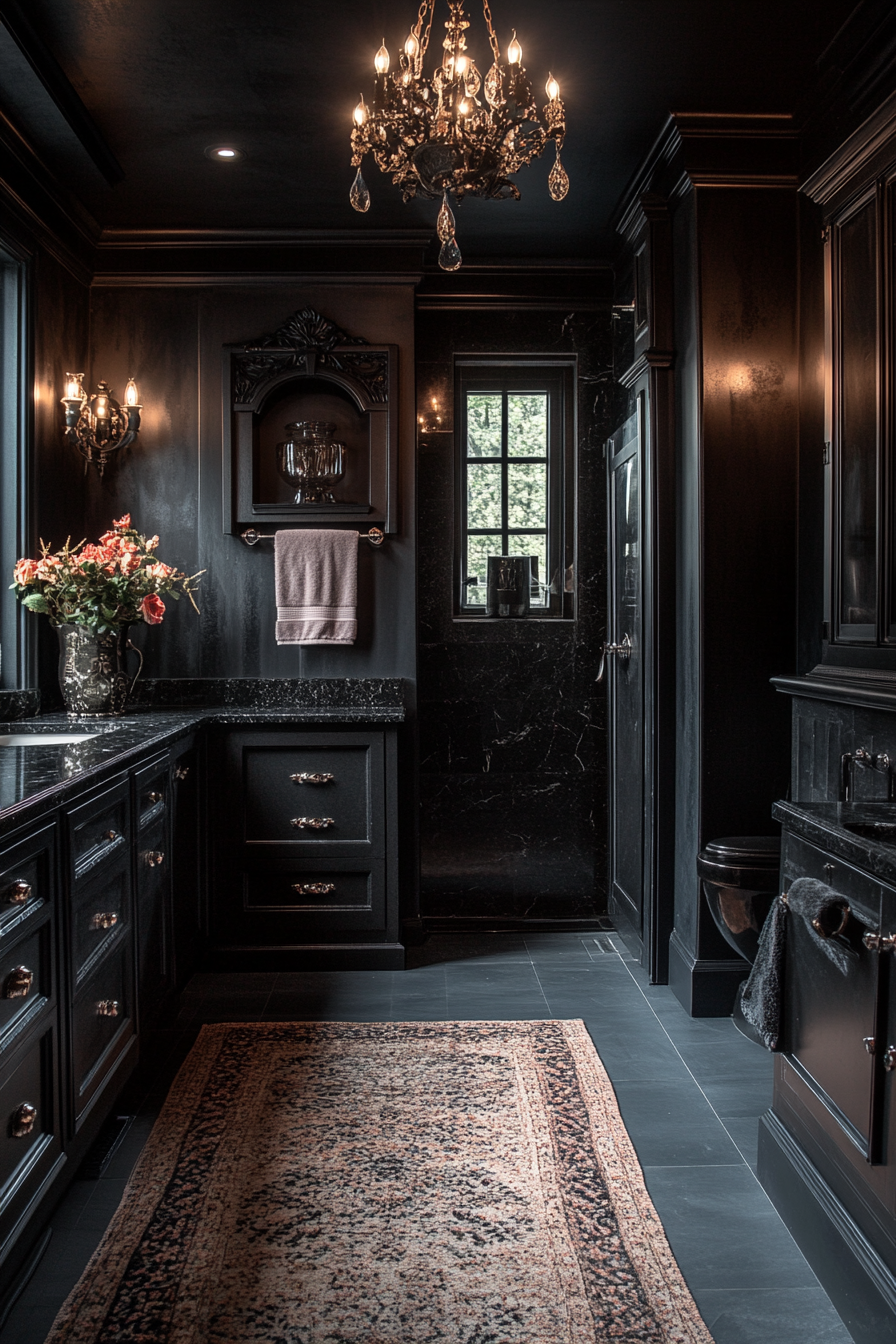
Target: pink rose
25 571
153 609
123 523
128 562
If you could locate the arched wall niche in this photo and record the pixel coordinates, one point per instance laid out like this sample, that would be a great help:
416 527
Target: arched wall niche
309 369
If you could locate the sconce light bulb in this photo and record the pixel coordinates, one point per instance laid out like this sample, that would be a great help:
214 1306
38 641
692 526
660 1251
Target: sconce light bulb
360 112
381 60
514 51
463 107
73 385
552 88
101 406
460 65
412 47
130 393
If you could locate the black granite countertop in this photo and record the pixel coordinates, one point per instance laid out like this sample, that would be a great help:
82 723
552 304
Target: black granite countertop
871 847
36 779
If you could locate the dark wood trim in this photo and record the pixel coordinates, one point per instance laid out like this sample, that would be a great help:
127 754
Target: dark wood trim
704 988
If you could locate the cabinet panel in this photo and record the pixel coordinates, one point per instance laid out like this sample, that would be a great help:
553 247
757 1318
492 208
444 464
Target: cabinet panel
151 786
154 959
26 979
30 1142
102 1023
293 905
832 1017
99 829
100 912
27 878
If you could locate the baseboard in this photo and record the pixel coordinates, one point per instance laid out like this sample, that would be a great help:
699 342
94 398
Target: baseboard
704 988
512 924
858 1282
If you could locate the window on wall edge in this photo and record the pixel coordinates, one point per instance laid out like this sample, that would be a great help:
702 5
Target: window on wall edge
515 424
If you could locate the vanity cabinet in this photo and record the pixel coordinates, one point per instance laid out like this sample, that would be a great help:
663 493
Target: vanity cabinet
306 865
827 1148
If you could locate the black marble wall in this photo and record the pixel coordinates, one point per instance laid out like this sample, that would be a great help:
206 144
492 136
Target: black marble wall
513 729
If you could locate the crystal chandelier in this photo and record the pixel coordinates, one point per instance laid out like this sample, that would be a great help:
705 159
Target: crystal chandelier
437 138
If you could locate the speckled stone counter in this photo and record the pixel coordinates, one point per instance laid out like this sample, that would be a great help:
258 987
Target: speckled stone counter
36 779
827 825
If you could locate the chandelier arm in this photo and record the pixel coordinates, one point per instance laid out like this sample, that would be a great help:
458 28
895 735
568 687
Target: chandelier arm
493 41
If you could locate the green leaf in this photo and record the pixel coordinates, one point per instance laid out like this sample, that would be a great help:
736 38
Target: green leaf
36 602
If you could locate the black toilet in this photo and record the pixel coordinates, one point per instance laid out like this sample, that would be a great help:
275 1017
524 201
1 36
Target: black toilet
740 880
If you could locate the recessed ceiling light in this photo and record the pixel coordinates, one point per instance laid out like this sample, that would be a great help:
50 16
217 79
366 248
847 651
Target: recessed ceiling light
224 153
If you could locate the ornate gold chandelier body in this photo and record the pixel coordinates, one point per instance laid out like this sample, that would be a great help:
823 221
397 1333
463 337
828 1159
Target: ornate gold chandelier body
457 133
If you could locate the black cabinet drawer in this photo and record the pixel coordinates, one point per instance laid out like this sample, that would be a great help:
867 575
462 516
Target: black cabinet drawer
30 1139
26 979
151 785
99 829
862 893
27 879
100 912
315 793
292 903
102 1023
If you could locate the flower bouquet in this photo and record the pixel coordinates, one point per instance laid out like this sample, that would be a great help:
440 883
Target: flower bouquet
92 593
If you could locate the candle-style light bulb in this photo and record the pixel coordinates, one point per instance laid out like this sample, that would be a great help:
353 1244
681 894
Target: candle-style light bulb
360 112
101 406
552 88
381 60
412 47
72 386
463 107
514 51
460 65
130 393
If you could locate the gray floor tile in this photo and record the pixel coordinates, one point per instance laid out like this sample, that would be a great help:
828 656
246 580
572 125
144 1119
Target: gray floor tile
672 1124
723 1231
763 1316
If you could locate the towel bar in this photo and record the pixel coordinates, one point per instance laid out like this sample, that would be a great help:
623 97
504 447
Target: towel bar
375 536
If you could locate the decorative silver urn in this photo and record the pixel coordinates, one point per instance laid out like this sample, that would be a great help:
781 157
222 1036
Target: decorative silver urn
311 461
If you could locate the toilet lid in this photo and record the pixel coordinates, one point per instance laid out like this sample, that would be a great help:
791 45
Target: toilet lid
759 851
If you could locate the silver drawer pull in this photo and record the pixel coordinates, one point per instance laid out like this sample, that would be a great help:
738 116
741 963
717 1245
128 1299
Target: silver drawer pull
312 823
155 797
879 942
314 888
312 777
18 983
104 919
110 836
22 1121
181 771
18 893
108 1008
153 858
890 1058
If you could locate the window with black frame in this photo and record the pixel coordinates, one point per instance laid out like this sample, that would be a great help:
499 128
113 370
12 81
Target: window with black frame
513 439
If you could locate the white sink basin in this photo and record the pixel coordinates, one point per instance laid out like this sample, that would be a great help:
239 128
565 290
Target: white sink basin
43 739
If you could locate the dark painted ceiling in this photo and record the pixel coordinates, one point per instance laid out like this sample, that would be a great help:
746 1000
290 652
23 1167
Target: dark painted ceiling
163 79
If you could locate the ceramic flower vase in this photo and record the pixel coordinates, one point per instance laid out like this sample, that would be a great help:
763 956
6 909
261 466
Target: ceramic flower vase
93 673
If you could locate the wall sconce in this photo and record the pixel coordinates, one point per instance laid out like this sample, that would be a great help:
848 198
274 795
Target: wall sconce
430 421
99 425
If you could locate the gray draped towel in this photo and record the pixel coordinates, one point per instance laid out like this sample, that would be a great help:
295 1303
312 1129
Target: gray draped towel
316 584
762 993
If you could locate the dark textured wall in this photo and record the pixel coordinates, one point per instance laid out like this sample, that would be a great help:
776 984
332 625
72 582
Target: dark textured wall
513 729
171 339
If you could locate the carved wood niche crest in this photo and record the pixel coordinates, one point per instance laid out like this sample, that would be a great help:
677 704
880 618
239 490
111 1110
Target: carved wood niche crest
309 368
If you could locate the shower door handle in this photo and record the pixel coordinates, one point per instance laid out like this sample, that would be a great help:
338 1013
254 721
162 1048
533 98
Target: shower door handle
623 651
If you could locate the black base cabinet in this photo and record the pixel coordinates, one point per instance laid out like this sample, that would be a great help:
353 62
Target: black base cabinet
827 1148
305 864
87 962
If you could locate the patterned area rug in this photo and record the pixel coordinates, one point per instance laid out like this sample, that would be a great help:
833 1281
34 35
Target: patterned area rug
386 1183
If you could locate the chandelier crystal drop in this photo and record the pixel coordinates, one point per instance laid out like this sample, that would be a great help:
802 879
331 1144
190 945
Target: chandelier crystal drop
455 133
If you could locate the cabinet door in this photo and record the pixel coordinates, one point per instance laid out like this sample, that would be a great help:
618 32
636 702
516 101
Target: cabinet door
832 1016
188 914
155 969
